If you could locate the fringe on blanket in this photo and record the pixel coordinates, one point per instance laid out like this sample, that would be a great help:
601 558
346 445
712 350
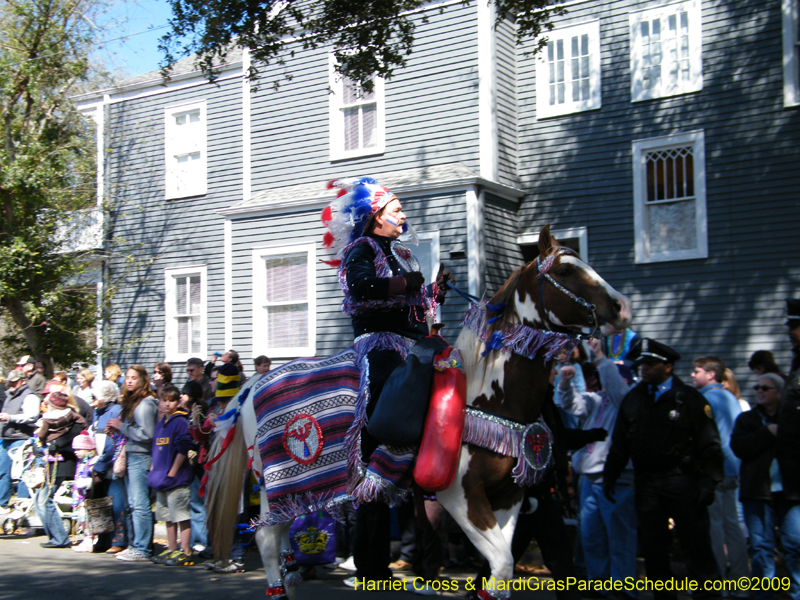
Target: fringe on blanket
291 507
363 346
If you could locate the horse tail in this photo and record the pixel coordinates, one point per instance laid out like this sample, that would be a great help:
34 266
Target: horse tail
224 490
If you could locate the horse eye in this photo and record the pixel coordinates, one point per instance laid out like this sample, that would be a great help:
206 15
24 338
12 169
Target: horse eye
564 271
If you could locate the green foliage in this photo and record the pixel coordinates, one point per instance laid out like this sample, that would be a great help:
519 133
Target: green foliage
47 172
369 37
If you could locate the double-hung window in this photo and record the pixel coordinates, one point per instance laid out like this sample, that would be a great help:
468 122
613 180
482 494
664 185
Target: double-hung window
185 310
568 71
357 117
185 150
666 51
669 189
284 301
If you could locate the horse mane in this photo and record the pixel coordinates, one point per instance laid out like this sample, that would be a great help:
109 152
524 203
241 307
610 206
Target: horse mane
507 295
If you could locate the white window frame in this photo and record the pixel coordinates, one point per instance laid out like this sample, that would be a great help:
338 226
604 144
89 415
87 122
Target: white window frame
171 323
260 321
641 226
543 107
336 116
791 52
176 144
436 259
695 30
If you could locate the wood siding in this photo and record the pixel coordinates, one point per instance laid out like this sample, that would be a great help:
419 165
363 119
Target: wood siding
576 171
431 110
150 234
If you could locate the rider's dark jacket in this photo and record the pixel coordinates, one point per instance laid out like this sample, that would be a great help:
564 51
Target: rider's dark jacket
365 285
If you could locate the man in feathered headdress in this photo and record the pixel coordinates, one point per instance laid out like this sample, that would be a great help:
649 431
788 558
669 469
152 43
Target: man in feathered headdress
388 302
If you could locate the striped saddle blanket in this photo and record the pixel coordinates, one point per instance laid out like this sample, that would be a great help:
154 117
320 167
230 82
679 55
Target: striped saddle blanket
304 410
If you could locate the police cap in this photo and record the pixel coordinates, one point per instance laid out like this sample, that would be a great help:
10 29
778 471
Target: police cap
651 349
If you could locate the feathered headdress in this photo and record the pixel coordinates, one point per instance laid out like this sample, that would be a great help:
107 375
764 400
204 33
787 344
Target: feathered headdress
358 199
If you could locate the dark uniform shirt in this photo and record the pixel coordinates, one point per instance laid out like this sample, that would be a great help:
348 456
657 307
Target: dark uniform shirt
676 433
787 447
364 284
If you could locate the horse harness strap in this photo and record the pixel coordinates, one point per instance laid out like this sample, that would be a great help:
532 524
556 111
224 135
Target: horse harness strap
543 266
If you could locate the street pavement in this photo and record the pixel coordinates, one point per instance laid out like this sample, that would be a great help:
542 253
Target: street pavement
30 572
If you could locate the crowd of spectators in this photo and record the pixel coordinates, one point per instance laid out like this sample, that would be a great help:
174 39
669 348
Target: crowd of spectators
715 466
129 437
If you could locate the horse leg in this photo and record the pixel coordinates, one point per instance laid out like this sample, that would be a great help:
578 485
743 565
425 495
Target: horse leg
269 541
493 542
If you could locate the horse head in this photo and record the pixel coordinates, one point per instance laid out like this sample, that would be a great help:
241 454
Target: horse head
560 292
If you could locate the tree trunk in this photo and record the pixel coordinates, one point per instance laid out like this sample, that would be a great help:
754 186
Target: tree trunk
30 331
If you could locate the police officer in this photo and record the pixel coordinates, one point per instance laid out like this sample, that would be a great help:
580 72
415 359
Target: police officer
668 430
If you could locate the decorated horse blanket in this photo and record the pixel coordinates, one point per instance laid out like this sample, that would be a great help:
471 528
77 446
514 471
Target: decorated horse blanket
309 414
303 412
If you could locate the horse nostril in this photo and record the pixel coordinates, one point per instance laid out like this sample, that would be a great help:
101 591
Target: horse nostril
618 307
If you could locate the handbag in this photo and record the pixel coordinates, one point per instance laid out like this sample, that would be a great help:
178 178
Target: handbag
100 515
313 539
33 478
121 462
399 415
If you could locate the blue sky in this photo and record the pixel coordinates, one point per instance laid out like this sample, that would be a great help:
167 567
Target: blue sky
132 29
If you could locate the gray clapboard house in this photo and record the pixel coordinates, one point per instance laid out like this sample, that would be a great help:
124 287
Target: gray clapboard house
658 138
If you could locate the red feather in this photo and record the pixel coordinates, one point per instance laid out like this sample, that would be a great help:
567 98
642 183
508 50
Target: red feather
341 193
331 184
327 215
333 263
328 239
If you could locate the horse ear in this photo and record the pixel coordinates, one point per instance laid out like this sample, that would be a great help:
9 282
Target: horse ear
546 241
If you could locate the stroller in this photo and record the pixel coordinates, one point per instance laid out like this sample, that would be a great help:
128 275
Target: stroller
24 468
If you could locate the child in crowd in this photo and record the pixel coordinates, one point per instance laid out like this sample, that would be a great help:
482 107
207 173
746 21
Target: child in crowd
85 451
171 476
59 415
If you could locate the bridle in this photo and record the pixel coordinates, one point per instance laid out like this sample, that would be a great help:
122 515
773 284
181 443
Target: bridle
543 267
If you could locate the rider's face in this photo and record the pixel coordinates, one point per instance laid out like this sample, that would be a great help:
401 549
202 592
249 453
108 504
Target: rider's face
389 222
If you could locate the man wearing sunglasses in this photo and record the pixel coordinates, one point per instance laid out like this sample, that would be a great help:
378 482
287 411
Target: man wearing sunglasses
667 429
194 370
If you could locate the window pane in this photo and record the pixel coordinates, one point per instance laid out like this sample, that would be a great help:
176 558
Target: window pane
180 296
369 115
670 174
286 278
196 334
351 129
194 294
672 226
183 335
287 326
350 91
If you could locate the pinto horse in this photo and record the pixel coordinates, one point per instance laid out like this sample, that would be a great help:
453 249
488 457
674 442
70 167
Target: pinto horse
555 298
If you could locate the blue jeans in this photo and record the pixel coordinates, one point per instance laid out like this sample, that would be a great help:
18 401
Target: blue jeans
139 501
49 515
197 509
760 518
608 532
5 473
122 514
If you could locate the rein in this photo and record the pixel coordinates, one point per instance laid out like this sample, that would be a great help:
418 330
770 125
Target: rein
543 266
